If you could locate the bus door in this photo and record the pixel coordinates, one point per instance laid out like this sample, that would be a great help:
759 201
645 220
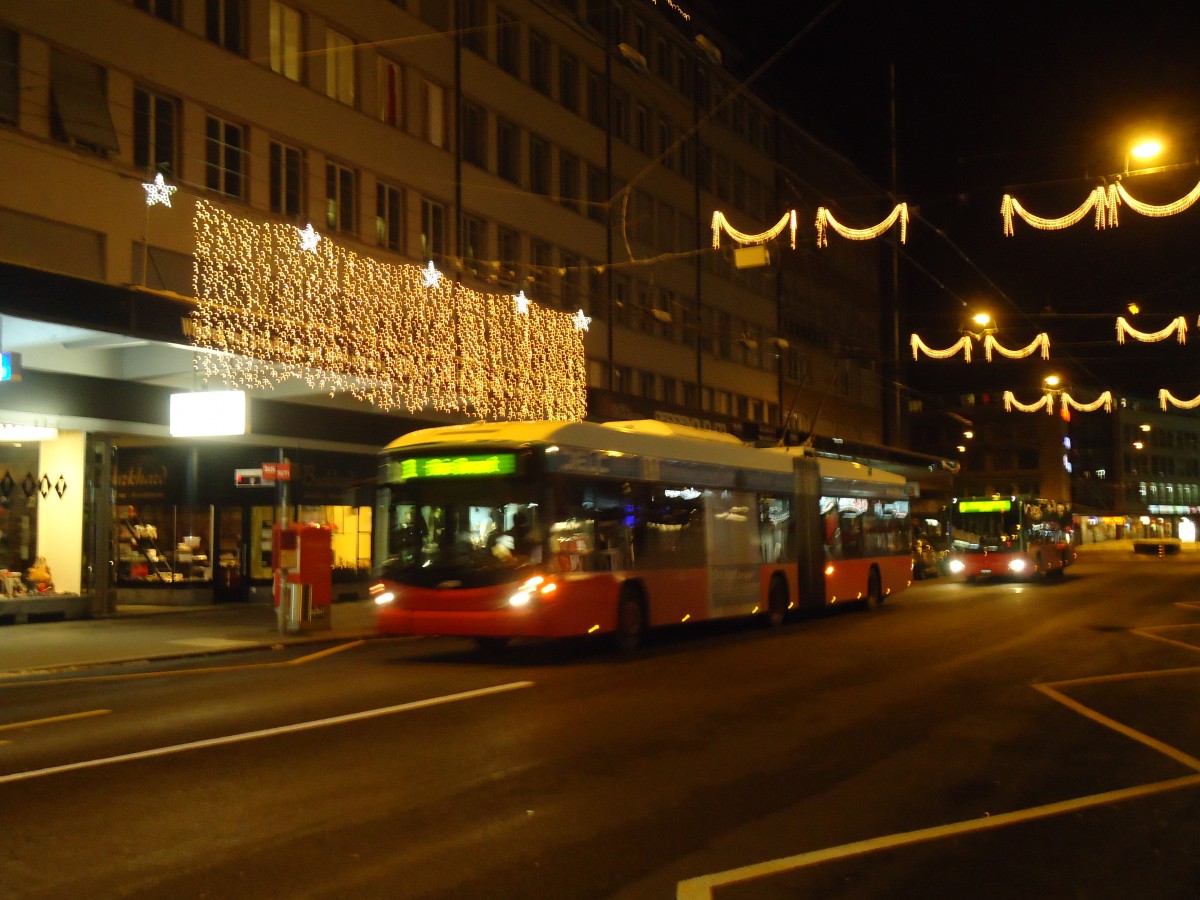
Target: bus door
734 551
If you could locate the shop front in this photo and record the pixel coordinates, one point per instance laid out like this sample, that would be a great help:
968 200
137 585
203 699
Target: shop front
193 525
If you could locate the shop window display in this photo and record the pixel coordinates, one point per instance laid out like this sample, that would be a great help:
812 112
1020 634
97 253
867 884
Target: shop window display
18 521
164 544
351 537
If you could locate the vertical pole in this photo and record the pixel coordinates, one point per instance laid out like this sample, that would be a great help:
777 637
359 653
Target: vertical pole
894 435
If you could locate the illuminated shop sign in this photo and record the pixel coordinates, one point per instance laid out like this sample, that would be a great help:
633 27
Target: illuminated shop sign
458 466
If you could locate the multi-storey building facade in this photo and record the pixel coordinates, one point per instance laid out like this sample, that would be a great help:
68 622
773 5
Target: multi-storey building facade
573 151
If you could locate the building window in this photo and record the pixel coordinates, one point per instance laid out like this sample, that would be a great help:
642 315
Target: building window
224 24
568 81
647 385
474 134
666 142
595 99
597 190
434 119
435 13
539 166
670 390
10 80
391 93
541 258
473 26
341 189
433 231
572 281
475 243
339 67
286 38
287 180
508 43
641 120
389 201
539 62
568 179
620 114
225 157
167 10
509 246
508 151
79 104
155 134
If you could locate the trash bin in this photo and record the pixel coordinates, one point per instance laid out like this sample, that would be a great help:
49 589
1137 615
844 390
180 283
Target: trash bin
299 607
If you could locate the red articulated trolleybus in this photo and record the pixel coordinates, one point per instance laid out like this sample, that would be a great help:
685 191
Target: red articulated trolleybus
550 529
1015 537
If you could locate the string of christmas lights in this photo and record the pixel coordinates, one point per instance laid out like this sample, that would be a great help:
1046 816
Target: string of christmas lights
390 335
721 223
1041 341
1046 402
963 345
1106 201
1097 200
1104 400
1178 327
1148 209
1165 397
825 221
990 344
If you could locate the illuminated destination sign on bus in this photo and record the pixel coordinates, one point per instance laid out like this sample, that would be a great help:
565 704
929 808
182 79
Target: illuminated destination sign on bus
458 466
968 506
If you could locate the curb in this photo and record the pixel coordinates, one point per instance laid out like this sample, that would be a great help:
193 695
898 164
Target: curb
193 654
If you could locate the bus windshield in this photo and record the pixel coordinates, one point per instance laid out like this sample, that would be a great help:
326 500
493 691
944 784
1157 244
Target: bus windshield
475 531
992 530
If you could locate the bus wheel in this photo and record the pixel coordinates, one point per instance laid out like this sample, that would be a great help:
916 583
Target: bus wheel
491 646
631 619
777 601
874 590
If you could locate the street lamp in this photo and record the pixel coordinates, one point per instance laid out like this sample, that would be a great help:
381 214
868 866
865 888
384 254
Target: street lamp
1143 150
982 324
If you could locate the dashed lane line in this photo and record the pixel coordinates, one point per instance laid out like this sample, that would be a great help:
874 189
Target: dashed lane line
263 733
51 720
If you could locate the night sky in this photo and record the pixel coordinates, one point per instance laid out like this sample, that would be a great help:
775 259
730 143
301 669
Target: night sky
1039 100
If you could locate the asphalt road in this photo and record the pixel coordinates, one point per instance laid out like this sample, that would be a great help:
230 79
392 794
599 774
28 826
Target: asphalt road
996 740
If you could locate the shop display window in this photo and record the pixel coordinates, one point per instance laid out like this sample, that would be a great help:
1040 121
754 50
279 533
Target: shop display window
164 544
351 537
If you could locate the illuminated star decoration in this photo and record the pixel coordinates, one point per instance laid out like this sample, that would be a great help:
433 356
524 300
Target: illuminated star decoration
581 321
158 191
309 239
522 303
432 275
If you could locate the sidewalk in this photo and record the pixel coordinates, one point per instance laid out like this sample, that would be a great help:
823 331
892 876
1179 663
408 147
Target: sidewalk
138 633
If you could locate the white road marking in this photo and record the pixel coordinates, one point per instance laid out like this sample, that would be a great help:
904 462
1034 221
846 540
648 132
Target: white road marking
263 733
701 888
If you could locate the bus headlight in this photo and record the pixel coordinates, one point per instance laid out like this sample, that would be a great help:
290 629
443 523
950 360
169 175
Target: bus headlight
956 566
381 594
524 595
1017 565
